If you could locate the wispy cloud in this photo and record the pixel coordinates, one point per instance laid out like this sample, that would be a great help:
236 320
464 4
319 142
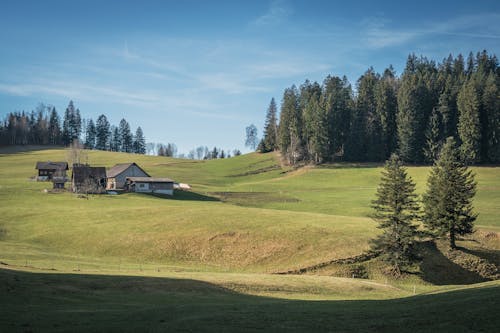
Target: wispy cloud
279 11
377 32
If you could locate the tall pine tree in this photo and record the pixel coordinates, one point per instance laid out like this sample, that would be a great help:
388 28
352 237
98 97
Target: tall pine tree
396 211
451 187
102 132
469 127
270 139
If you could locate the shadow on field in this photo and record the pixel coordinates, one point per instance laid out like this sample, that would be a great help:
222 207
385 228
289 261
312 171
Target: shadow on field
48 302
437 269
26 149
184 195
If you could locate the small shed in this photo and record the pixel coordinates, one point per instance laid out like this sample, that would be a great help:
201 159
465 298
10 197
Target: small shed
47 169
117 175
150 185
87 179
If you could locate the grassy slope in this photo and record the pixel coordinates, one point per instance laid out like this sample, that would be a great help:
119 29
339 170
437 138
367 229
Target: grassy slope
56 302
317 214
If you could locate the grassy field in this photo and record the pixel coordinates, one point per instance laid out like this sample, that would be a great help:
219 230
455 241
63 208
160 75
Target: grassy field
201 260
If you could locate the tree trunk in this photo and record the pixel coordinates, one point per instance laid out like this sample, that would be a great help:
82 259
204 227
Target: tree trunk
452 239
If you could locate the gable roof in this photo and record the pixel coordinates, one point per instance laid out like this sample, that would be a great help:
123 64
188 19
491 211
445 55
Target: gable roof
149 180
119 168
83 172
51 165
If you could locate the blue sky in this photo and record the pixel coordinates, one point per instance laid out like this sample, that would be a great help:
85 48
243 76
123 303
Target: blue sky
198 72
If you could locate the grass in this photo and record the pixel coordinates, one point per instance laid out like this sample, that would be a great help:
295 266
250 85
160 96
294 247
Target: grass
201 260
40 301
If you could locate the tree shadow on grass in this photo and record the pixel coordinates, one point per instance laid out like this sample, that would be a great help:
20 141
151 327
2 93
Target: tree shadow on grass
490 255
49 302
437 269
184 196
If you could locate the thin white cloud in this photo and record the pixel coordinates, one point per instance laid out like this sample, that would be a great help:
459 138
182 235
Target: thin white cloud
378 34
279 11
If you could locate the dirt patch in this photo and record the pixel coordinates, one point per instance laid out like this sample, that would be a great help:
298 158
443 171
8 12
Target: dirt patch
257 171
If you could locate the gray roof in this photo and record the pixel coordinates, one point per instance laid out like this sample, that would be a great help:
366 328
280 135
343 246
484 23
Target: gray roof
119 168
149 180
51 165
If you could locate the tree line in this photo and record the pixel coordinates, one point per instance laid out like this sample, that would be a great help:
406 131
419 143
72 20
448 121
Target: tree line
44 127
411 115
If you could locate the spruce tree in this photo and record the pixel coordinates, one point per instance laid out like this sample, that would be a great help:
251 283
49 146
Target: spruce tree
433 137
125 137
396 210
290 129
451 187
386 109
491 105
90 135
102 132
270 139
469 127
54 128
139 142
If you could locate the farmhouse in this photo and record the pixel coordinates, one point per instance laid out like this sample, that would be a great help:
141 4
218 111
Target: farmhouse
150 184
47 169
87 179
118 174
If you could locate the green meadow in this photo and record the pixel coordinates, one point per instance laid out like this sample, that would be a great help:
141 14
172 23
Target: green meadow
204 260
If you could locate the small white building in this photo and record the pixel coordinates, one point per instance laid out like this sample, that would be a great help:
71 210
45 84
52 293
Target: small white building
150 185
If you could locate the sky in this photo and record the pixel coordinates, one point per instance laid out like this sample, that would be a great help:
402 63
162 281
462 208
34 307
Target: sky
199 72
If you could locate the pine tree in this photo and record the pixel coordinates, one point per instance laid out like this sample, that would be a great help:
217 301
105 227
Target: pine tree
448 201
410 119
90 135
115 140
469 127
139 142
125 137
396 210
433 137
54 128
336 101
290 129
270 139
102 132
386 109
491 105
366 106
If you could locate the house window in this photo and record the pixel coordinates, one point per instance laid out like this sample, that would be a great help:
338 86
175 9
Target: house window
142 185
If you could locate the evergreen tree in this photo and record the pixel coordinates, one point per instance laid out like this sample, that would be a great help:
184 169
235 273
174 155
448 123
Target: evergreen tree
290 129
448 200
386 109
126 139
336 101
72 124
491 105
115 140
410 119
90 135
270 139
433 137
139 142
54 128
366 106
396 210
469 127
102 132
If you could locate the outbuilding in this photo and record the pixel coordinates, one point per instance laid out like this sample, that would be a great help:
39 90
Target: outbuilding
46 170
117 175
150 185
87 179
